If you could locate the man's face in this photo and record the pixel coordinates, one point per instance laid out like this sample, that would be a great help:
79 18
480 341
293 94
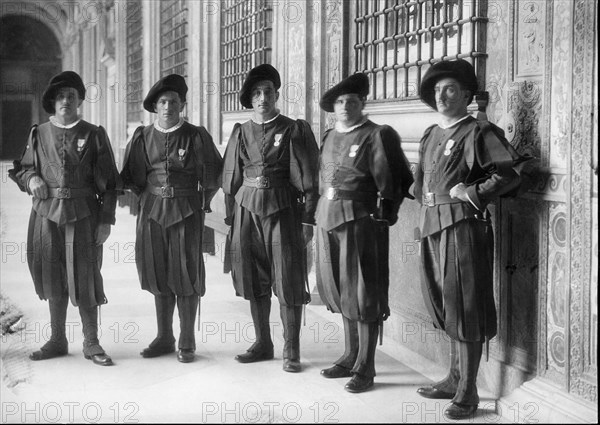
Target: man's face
66 103
168 106
264 96
348 109
450 98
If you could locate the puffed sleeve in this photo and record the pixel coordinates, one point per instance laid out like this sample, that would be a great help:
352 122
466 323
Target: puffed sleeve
391 172
389 166
209 165
494 166
135 164
232 174
304 167
24 169
106 177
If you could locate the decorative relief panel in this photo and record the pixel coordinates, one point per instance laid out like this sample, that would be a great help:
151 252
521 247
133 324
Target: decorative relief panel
562 47
583 379
557 288
525 106
529 38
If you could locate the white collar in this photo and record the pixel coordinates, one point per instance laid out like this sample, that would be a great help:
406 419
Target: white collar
59 125
340 129
169 130
446 127
267 121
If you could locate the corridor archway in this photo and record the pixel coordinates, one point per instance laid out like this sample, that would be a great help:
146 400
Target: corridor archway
30 55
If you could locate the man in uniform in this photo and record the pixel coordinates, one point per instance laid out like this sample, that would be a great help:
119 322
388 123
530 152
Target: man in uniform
270 183
69 169
364 176
174 167
463 165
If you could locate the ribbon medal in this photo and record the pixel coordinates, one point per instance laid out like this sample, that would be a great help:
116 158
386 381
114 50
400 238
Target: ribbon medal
80 144
353 150
277 140
181 153
449 145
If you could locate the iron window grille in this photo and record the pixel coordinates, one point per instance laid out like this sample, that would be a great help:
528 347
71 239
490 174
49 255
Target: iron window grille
173 40
397 40
246 32
134 94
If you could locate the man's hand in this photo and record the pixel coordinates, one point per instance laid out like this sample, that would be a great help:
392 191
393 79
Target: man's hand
385 311
459 191
102 233
38 187
307 233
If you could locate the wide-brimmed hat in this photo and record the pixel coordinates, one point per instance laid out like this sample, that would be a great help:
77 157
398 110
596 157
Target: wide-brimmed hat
64 79
460 70
356 83
256 74
171 82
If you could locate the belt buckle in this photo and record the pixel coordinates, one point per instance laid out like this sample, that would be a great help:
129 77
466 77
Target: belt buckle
63 192
263 182
331 193
167 191
429 199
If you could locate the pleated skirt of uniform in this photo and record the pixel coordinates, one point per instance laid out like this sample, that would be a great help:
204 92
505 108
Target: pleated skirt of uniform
169 260
353 268
47 256
267 253
457 280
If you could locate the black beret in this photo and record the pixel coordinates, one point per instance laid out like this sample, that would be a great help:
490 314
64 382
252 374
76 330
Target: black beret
64 79
356 83
172 82
460 70
256 74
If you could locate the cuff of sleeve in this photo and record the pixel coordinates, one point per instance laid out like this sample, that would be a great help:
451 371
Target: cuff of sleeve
474 198
27 182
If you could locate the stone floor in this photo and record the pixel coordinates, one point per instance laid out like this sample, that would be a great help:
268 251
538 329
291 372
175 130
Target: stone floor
214 388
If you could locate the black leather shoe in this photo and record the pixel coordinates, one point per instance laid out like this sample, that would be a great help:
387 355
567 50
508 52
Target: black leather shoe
290 365
185 355
460 411
100 359
45 354
431 392
336 372
255 356
158 350
359 383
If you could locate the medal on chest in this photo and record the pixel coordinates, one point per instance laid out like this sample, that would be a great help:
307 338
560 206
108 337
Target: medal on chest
277 140
181 153
353 150
80 144
449 145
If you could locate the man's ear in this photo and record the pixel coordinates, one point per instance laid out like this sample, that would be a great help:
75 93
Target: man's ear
182 106
276 96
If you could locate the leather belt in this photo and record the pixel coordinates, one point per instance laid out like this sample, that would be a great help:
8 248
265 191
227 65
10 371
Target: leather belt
264 182
69 193
172 192
333 193
432 199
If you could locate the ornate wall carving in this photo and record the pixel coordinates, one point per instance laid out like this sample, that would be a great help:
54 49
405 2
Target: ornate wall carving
582 373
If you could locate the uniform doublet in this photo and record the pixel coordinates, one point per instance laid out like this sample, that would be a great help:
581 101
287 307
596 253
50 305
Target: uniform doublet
457 250
77 165
267 168
176 173
356 168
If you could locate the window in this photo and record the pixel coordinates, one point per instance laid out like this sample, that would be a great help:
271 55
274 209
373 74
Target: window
134 61
173 40
397 40
246 27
